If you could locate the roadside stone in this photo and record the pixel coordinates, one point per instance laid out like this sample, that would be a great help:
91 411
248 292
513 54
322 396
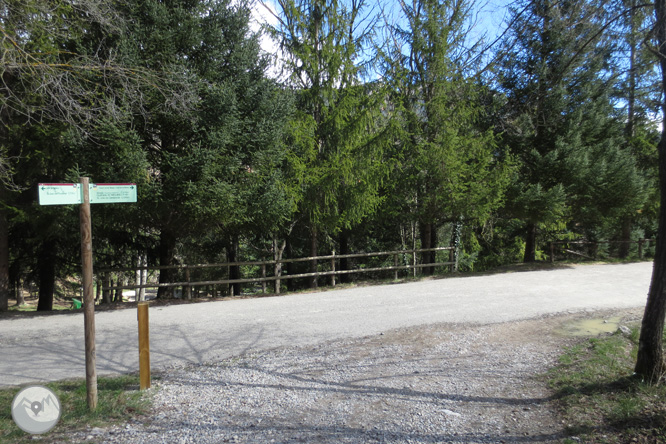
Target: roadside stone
624 330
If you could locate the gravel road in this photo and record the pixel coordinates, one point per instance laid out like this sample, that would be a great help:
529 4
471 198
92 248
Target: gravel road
35 349
430 384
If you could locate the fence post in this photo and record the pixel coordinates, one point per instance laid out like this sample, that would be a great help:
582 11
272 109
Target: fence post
552 252
395 264
144 345
188 289
333 269
640 249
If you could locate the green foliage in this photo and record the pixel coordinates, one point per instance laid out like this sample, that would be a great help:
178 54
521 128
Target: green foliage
561 123
449 165
337 137
414 150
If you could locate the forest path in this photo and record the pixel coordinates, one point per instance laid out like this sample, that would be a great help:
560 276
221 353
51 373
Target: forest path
42 348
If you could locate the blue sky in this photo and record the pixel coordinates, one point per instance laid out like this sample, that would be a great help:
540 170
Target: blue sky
490 19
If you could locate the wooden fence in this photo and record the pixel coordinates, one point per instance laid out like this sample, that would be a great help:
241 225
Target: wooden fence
643 246
327 262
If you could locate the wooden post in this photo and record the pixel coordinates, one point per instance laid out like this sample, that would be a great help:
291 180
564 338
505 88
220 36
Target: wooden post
333 269
552 252
88 297
144 346
395 264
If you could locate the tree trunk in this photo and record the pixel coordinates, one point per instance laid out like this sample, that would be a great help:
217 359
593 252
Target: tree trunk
106 294
530 243
4 261
141 275
278 250
18 291
167 252
456 238
344 249
633 49
234 271
98 291
46 271
650 360
625 238
313 252
426 229
118 296
289 284
650 364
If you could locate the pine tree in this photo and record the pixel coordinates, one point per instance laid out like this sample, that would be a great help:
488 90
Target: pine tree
650 364
558 115
210 157
336 134
449 166
637 94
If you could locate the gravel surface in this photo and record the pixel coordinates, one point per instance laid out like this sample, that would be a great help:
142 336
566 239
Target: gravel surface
41 348
444 383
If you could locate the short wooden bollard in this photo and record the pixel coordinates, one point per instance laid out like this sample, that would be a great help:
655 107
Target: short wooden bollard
144 346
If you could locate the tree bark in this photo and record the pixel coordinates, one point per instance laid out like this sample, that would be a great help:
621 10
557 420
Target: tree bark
530 243
650 364
344 249
456 240
625 238
650 360
234 271
118 294
4 261
426 231
289 284
106 294
141 275
278 250
313 252
20 300
167 252
46 270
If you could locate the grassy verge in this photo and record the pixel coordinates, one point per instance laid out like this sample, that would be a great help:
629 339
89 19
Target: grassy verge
118 399
599 399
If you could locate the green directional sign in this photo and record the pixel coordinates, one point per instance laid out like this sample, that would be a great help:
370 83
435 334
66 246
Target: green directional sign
112 192
60 193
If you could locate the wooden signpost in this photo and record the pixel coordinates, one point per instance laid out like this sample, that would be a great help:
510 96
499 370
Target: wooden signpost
84 194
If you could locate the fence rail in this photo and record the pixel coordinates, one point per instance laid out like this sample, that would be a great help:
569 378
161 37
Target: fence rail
643 245
278 275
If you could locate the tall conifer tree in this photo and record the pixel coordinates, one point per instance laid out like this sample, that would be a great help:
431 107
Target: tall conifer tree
559 119
449 166
335 135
